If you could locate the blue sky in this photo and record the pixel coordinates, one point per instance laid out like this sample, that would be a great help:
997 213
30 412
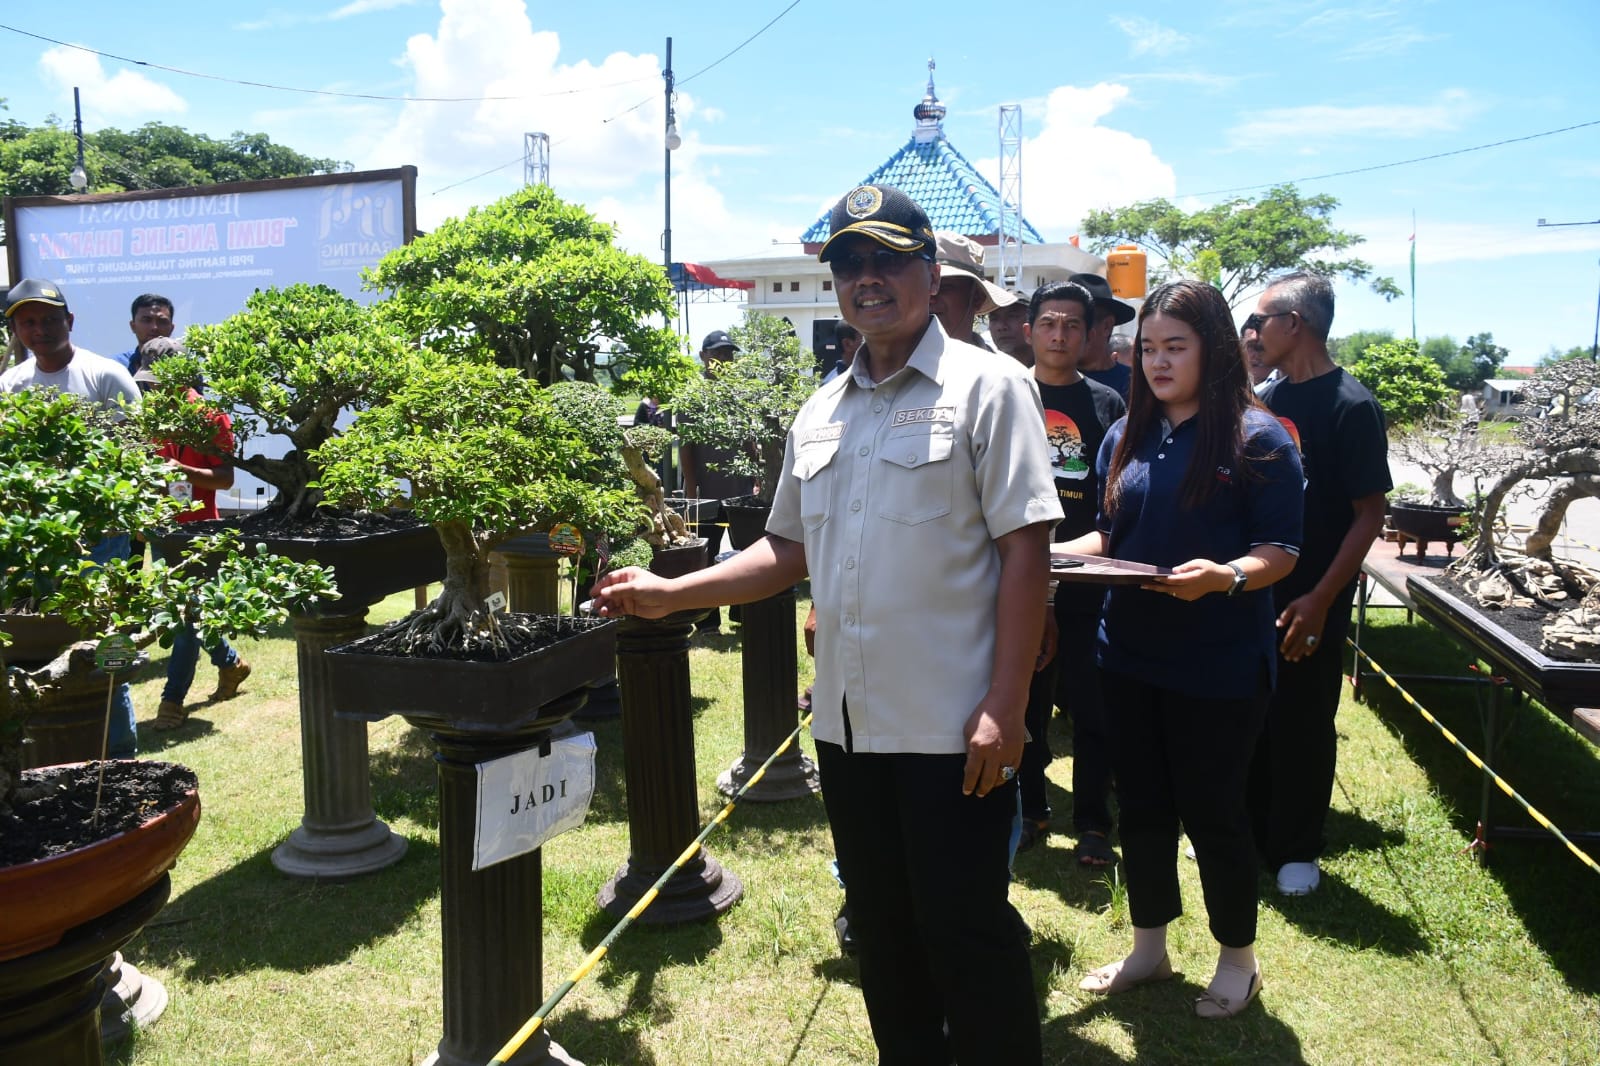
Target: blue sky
1178 100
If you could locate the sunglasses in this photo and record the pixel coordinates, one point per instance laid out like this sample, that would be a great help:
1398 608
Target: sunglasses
1257 320
850 265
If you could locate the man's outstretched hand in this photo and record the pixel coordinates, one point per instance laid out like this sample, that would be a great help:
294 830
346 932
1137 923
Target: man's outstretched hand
634 591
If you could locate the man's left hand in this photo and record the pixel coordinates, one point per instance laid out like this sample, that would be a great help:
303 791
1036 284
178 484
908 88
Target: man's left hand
994 742
1302 623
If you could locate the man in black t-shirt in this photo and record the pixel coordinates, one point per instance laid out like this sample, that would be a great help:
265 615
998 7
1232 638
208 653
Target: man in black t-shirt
1077 413
1339 430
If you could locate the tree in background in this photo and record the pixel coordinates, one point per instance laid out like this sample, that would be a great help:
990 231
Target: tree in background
1240 244
1346 350
36 160
536 285
1556 355
1407 385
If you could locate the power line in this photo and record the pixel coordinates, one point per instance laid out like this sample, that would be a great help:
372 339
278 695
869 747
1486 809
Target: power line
324 92
1398 163
741 44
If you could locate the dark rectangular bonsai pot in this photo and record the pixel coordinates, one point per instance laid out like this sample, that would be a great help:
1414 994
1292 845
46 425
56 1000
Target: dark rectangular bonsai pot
471 697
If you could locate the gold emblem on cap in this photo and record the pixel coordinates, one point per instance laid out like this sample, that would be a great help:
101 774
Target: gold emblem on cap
48 291
863 201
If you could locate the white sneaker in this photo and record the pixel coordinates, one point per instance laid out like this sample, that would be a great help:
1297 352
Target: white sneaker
1298 878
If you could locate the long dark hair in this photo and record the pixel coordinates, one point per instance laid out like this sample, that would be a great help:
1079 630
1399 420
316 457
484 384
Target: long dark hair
1225 393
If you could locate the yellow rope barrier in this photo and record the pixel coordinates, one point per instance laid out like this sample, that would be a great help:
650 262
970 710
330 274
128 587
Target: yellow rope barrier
532 1025
1472 757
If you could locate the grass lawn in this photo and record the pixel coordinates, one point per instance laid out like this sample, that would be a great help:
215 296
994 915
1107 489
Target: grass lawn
1412 952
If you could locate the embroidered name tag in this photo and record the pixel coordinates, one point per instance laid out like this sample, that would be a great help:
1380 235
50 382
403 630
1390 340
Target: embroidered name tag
924 414
823 434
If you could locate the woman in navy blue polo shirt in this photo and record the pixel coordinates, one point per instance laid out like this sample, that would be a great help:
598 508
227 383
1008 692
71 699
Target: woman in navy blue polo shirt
1200 478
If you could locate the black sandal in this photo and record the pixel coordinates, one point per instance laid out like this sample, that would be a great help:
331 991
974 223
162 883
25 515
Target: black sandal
1094 850
1033 831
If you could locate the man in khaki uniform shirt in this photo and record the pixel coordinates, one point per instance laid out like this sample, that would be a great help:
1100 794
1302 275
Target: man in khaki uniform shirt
921 510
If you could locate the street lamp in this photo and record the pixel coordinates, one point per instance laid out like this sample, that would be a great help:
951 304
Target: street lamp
79 178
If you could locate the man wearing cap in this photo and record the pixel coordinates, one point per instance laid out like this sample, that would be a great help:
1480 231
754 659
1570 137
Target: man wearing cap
964 293
1008 328
150 317
1098 364
918 503
196 477
40 320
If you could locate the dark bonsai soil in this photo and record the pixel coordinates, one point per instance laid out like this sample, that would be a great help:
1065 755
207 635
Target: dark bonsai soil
55 806
327 523
1525 623
523 634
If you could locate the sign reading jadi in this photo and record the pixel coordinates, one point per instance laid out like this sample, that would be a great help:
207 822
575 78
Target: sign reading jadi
526 799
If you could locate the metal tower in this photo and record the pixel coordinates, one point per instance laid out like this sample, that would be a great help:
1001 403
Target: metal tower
536 159
1010 244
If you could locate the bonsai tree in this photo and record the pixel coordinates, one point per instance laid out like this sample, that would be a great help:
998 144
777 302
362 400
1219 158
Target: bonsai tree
487 457
1445 448
285 366
746 405
67 479
536 285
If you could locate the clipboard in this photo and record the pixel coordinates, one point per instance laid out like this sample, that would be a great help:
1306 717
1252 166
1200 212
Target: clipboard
1095 570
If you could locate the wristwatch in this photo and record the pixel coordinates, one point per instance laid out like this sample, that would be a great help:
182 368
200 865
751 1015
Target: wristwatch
1240 578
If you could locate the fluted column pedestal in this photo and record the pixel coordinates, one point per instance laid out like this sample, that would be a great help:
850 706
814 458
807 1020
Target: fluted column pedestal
339 836
771 692
663 801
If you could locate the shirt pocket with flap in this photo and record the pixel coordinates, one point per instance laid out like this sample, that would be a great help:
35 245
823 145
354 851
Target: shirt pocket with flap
814 467
916 477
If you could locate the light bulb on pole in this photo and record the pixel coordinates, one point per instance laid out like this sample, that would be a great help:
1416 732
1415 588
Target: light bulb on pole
674 142
79 178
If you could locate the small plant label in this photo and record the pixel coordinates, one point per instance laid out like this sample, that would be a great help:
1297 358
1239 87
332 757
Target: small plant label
496 602
115 652
527 798
565 539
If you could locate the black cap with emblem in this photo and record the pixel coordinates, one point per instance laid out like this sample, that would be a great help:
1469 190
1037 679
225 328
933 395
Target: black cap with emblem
883 213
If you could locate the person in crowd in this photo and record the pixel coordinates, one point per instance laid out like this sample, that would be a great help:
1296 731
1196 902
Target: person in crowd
1077 414
42 322
1254 356
1198 478
920 503
648 413
197 476
1121 347
964 293
706 474
150 317
848 339
1340 431
1109 313
1008 329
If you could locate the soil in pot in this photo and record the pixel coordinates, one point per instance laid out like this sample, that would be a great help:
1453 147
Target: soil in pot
524 634
1526 623
55 810
327 523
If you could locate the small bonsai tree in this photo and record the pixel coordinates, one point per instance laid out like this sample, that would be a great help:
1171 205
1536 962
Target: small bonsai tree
285 366
1443 448
482 455
536 285
67 479
746 405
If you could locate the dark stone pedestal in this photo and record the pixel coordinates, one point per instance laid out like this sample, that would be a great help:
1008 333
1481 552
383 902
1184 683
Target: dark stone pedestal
663 805
492 920
771 693
339 836
50 1000
133 1000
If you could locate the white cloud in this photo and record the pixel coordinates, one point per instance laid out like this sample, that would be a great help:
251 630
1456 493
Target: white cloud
281 20
1149 37
363 7
1075 165
1303 128
125 93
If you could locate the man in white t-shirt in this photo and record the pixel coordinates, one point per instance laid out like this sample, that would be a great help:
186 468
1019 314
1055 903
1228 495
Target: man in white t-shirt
39 319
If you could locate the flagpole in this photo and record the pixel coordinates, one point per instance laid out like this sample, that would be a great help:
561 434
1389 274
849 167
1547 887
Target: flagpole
1413 276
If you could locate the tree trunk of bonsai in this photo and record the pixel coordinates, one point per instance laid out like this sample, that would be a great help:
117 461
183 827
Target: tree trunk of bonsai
1555 511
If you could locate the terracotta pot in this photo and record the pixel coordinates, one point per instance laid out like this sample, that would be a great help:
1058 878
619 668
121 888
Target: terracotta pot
471 697
46 898
36 638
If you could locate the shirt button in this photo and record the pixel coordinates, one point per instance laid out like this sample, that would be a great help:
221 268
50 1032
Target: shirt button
850 620
850 564
855 505
864 450
911 458
1161 455
877 408
1169 440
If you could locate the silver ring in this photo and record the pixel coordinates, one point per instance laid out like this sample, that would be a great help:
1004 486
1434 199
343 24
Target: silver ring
1311 642
1007 773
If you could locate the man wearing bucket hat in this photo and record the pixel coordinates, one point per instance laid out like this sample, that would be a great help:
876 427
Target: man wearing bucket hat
1098 363
964 293
919 504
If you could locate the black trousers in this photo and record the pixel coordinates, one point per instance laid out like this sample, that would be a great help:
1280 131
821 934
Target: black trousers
1080 692
1185 760
1291 777
1036 753
926 875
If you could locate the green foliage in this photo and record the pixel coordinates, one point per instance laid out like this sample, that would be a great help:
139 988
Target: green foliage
286 365
1466 366
485 456
36 160
1239 244
1555 355
1346 350
66 483
746 405
537 285
1407 385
